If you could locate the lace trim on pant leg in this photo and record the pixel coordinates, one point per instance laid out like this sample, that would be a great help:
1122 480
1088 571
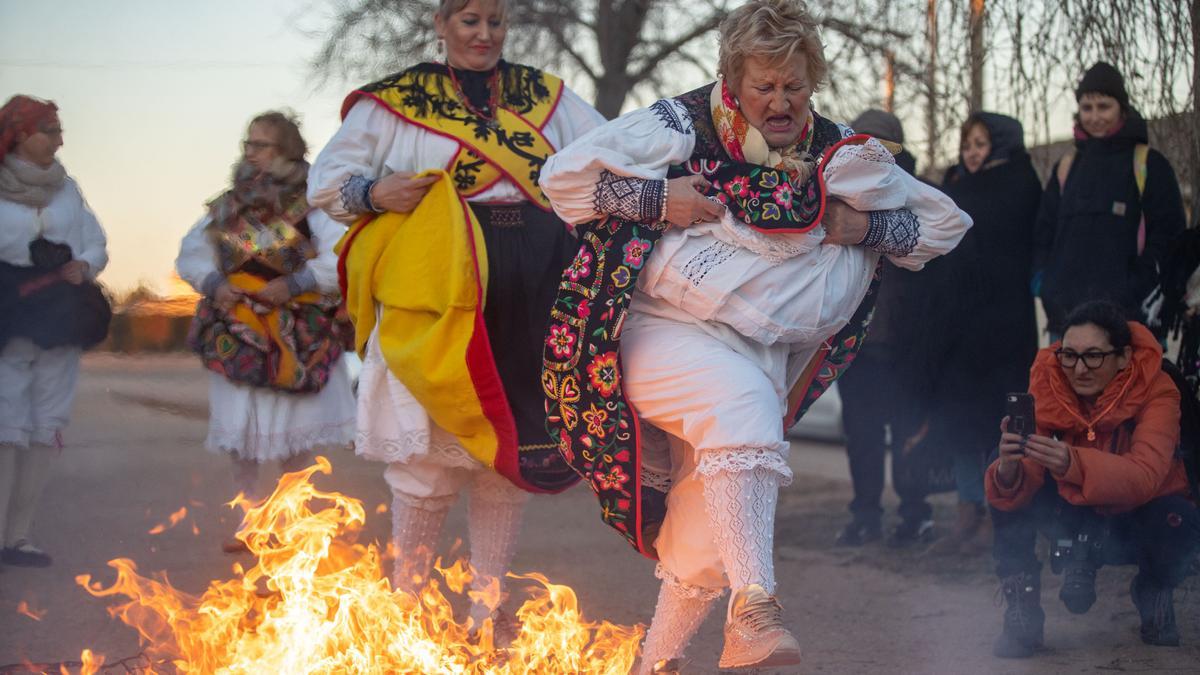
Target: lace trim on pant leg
656 480
685 589
745 458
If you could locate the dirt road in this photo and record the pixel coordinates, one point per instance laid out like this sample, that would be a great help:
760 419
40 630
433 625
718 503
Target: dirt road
136 455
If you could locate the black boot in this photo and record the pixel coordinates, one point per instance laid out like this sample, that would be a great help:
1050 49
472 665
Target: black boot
1078 592
1156 606
1024 620
911 531
858 532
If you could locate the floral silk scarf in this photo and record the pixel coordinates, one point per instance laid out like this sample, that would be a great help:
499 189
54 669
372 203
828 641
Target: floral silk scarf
744 143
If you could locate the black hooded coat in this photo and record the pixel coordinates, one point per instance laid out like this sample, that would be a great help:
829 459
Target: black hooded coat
981 311
1086 241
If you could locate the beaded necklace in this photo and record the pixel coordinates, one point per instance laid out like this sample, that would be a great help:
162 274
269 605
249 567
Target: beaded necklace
493 85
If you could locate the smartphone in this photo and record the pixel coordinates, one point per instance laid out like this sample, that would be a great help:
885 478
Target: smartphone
1019 408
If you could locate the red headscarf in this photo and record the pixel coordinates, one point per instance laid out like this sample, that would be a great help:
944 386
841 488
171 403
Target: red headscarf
23 115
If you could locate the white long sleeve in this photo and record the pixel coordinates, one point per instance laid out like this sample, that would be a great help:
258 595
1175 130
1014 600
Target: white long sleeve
373 142
639 144
326 232
197 258
67 219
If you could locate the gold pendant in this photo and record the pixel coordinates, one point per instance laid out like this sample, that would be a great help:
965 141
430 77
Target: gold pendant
1091 434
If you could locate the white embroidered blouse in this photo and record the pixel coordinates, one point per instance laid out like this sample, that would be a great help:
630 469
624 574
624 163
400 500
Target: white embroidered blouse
788 288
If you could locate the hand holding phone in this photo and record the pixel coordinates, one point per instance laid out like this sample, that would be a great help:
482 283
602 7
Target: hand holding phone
1018 407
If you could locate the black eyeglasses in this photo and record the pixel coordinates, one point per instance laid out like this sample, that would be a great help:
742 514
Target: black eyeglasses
1091 360
247 146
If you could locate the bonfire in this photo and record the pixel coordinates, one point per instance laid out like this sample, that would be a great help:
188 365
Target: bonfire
318 602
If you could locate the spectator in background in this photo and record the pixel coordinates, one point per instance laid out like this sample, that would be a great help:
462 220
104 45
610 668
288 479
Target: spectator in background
881 393
267 327
1110 211
988 313
1101 472
51 249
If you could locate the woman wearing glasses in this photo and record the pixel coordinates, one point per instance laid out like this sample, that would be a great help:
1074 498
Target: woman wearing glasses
1102 471
267 326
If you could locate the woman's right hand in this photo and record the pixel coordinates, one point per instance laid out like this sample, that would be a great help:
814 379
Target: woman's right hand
686 203
400 192
1012 451
226 296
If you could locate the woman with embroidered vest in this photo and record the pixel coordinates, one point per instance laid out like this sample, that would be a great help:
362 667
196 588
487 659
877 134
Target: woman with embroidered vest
981 320
51 249
1110 211
715 319
267 326
449 274
1100 473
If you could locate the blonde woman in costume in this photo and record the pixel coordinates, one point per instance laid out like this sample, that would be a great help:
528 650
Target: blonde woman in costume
730 241
438 165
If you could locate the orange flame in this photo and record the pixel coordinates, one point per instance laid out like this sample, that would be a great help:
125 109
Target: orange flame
317 601
24 608
172 520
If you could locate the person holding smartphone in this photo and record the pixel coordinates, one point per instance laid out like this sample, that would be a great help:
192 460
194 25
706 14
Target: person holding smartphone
1100 469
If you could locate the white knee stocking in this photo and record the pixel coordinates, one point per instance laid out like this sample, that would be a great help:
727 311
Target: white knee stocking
680 611
740 497
416 526
493 523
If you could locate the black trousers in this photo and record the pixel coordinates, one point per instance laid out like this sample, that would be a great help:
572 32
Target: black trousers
876 416
1160 537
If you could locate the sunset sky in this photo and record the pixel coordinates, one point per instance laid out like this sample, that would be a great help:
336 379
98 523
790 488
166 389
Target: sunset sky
154 97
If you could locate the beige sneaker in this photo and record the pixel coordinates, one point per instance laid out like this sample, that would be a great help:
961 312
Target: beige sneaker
754 632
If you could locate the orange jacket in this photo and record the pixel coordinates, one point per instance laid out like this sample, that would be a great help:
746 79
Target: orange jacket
1129 459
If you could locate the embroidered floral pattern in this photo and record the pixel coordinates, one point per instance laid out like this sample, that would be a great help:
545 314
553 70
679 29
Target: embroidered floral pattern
602 372
583 373
580 266
635 252
561 340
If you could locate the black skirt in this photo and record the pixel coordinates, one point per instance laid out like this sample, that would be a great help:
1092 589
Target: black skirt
527 250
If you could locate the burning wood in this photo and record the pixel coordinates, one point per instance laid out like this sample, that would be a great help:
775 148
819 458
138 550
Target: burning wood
317 602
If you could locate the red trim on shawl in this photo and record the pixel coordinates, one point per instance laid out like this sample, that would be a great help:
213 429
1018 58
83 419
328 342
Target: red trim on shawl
481 365
823 351
534 199
637 482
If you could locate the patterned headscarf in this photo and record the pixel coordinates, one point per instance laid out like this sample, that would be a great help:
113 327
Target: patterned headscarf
744 143
23 115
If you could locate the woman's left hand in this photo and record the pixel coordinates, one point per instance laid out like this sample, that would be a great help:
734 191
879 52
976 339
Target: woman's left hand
844 225
275 293
1052 454
74 272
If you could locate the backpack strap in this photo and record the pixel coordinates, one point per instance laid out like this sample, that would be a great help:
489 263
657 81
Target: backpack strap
1140 152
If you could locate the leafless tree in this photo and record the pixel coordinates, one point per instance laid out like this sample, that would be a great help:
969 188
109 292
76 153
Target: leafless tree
617 46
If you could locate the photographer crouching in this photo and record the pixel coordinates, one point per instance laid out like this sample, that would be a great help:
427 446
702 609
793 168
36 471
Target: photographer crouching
1099 472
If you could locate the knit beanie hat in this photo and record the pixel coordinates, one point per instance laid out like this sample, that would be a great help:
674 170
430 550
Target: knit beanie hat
880 124
1103 78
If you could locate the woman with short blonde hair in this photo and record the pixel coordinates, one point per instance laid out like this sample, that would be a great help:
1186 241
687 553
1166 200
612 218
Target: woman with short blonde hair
719 290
